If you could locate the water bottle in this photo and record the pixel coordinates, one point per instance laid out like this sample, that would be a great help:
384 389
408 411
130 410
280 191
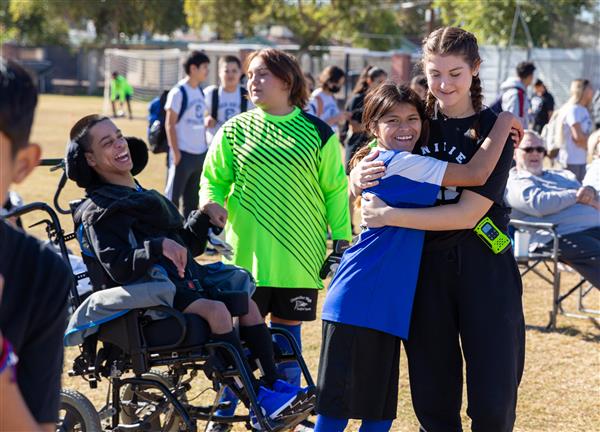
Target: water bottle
522 240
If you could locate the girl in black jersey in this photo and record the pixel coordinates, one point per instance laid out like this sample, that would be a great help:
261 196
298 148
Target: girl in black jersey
358 136
468 299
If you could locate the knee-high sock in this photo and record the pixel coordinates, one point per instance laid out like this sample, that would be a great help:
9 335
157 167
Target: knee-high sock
330 424
289 369
258 339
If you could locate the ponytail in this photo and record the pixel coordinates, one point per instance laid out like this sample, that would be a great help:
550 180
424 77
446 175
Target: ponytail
476 94
430 101
477 102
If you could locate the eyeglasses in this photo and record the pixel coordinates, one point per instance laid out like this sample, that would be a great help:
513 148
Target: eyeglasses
532 149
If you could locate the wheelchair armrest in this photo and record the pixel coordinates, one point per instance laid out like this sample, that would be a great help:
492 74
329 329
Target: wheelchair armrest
180 320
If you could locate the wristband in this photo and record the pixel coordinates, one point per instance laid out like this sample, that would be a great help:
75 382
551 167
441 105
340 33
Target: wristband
8 359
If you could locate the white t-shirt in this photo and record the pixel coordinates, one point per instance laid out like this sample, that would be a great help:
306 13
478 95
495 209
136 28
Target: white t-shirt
592 175
330 107
571 154
190 128
230 104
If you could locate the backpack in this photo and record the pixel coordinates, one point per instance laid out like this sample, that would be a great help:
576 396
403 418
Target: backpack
552 134
496 107
215 102
157 135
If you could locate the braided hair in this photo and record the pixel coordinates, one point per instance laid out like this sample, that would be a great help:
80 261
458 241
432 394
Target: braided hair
456 41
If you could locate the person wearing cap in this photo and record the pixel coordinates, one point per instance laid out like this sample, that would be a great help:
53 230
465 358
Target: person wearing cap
129 229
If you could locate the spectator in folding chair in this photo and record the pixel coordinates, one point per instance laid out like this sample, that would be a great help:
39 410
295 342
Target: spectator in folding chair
555 196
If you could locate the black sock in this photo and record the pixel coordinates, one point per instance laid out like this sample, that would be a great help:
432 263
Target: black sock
232 339
258 338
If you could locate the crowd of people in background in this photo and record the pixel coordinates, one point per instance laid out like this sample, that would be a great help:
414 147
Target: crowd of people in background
262 161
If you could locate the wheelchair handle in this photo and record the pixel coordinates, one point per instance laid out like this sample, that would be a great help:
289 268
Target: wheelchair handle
55 222
57 164
54 163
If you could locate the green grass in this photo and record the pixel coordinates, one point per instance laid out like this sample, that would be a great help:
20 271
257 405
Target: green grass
560 390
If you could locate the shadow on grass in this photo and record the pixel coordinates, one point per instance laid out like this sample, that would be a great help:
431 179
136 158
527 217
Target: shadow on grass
586 336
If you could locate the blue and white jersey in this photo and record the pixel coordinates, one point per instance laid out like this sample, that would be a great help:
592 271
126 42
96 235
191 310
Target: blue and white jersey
374 285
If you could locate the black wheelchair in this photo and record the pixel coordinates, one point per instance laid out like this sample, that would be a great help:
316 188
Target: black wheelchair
150 364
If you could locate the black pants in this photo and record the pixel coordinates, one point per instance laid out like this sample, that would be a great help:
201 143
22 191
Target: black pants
581 250
183 180
467 298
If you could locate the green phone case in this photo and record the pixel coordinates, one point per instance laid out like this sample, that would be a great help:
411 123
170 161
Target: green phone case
489 233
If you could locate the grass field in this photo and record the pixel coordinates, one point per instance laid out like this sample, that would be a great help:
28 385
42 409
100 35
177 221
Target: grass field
560 390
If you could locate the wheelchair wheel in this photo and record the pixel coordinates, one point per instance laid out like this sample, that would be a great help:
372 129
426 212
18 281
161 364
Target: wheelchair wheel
76 413
148 403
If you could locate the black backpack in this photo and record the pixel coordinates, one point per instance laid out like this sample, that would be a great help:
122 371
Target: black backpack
215 102
157 135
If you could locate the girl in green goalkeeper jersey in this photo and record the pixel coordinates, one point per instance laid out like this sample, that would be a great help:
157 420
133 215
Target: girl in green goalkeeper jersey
274 179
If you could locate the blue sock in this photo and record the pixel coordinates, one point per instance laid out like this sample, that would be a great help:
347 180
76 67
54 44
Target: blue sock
375 426
228 396
330 424
295 330
289 369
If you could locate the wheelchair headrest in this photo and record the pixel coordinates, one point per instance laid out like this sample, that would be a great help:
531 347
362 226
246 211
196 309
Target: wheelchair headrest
80 172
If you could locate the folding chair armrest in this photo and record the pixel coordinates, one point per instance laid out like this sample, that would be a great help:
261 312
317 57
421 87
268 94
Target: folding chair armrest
533 225
545 226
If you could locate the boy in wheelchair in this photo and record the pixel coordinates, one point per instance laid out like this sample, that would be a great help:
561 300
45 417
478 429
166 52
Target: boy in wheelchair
126 229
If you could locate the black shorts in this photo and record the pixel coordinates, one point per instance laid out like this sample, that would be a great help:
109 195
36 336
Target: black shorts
294 304
127 97
184 297
358 373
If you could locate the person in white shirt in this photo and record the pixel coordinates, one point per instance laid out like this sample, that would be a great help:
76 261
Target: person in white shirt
323 103
184 124
226 100
576 128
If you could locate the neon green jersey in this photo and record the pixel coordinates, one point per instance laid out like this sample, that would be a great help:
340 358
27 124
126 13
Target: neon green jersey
120 88
283 183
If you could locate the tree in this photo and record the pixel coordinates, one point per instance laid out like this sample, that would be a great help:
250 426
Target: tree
39 22
552 23
113 17
31 22
313 22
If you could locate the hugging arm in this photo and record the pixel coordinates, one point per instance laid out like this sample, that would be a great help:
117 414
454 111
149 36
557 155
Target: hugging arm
463 215
474 173
477 171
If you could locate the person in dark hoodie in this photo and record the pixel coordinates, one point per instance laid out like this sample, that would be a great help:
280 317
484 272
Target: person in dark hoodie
129 228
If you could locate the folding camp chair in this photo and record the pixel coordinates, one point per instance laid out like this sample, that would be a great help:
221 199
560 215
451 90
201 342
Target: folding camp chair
530 261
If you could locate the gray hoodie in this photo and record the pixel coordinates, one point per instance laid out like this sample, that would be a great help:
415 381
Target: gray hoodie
515 99
550 197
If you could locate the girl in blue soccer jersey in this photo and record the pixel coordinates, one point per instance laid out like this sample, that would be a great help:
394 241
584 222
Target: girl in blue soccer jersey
467 312
368 306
